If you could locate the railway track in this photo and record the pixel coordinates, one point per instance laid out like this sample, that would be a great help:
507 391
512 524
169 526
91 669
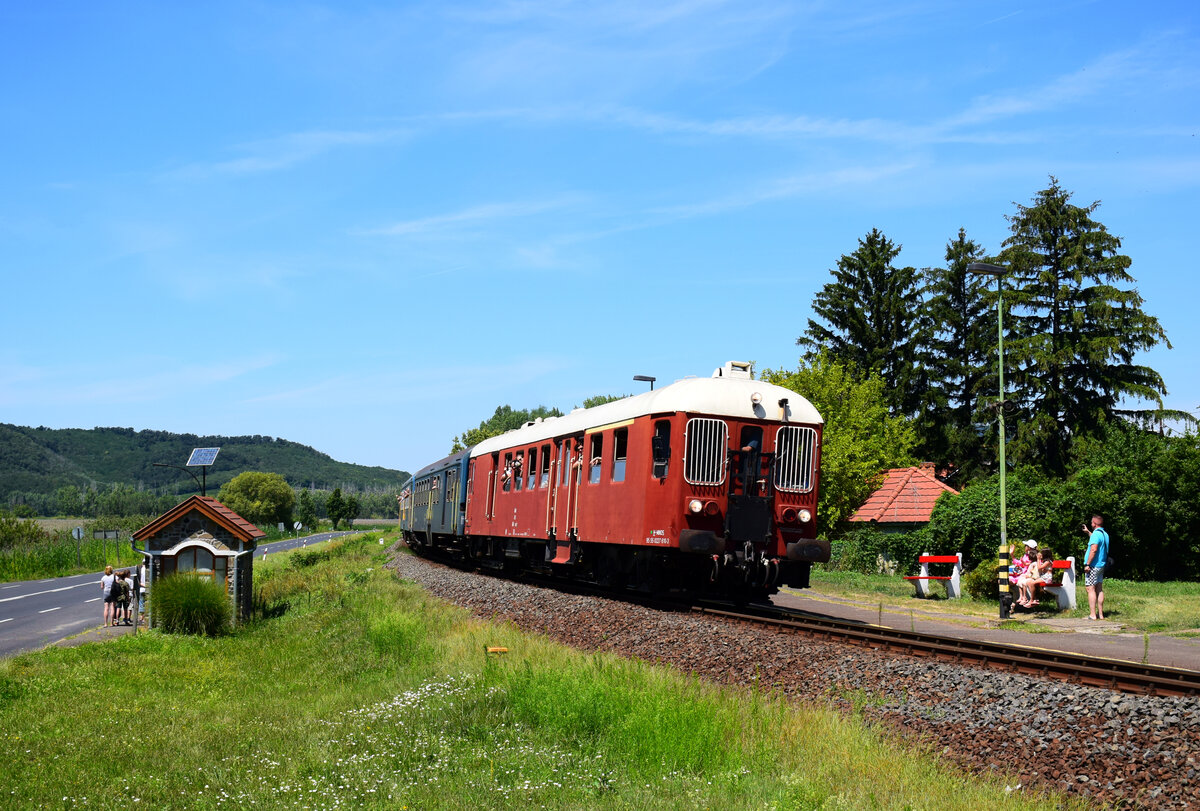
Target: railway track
1075 668
1112 674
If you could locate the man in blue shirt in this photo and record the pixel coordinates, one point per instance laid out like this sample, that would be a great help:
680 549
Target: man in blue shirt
1094 562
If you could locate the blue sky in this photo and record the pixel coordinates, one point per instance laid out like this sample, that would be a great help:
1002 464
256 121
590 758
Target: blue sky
363 227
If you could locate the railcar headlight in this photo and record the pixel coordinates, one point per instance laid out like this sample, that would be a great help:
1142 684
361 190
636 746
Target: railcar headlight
789 515
711 508
805 516
695 506
756 398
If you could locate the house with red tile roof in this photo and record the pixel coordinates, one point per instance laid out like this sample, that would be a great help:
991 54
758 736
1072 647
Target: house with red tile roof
905 499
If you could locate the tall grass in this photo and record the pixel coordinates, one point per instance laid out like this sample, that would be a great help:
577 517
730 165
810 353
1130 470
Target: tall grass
366 693
61 555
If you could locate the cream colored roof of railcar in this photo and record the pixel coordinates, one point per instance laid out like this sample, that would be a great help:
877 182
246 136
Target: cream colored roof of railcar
715 396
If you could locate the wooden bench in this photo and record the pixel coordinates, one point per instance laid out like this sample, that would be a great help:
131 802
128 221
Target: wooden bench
1064 590
953 580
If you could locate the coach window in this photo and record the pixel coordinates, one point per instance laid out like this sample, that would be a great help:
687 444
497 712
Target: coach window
595 457
620 443
545 465
533 468
564 461
508 472
518 468
660 447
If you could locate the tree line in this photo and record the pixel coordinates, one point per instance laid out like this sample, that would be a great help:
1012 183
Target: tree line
1073 324
903 365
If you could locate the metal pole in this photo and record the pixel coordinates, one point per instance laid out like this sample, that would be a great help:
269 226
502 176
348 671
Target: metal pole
1005 594
1003 557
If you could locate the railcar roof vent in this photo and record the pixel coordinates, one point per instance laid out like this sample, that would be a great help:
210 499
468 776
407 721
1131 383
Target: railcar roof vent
735 368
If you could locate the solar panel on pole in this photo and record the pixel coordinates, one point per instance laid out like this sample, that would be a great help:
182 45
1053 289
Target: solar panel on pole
203 456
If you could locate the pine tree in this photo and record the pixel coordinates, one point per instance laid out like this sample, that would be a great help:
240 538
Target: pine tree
1077 324
960 350
873 320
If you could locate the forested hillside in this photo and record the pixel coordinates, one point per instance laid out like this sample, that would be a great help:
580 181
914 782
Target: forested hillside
42 460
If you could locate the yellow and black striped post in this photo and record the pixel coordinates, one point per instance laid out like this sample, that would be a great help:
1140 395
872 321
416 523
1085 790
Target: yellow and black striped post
1002 583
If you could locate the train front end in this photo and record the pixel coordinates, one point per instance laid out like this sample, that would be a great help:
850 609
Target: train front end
750 487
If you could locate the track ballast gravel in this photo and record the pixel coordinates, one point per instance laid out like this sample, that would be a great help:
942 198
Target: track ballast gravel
1132 751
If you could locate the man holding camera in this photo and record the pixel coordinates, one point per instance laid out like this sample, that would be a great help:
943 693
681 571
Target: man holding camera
1093 566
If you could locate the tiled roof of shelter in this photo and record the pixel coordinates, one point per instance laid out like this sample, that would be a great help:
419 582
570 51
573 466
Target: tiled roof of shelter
238 526
907 496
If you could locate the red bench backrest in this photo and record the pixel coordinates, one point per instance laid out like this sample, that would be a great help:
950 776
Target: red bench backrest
937 559
1060 564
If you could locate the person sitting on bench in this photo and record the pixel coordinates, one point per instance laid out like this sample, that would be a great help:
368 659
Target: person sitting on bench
1040 571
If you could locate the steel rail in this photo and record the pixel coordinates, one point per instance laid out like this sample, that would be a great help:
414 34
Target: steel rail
1094 671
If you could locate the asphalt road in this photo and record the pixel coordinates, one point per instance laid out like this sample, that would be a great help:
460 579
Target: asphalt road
36 613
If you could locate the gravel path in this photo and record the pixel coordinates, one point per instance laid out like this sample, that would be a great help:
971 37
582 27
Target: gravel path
1141 752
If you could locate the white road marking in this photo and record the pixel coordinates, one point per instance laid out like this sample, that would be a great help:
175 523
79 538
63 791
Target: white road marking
94 599
10 587
47 591
10 619
48 610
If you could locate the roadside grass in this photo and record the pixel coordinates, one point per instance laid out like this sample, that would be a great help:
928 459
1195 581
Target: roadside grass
362 691
1171 607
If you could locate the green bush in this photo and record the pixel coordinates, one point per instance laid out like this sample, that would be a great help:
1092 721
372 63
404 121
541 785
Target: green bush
980 582
860 549
184 604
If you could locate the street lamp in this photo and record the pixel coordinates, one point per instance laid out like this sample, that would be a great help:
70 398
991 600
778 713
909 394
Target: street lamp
986 269
646 379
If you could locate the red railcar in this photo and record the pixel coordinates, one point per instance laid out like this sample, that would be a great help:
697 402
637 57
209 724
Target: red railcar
708 485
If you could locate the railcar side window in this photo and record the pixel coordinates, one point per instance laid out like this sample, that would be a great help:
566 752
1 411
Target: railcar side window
564 461
620 443
545 465
795 452
533 468
508 472
660 447
595 458
705 442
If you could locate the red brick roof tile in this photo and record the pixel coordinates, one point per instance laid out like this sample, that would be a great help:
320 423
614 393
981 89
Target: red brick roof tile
209 506
907 496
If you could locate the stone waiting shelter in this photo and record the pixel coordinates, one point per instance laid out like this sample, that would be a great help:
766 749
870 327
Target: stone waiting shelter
204 538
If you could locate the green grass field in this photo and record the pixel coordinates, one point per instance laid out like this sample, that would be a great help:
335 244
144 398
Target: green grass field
363 692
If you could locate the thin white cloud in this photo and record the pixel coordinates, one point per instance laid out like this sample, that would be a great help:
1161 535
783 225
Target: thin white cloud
285 151
486 212
137 380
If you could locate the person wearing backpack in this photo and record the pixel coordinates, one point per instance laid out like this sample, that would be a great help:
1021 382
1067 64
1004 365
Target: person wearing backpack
123 590
1094 562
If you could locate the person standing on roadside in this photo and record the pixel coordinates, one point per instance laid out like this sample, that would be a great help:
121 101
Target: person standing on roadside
106 587
1094 561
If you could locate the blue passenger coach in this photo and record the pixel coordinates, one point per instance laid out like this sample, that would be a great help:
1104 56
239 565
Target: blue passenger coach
434 501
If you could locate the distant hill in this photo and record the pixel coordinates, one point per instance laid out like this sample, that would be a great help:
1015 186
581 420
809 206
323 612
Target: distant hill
41 460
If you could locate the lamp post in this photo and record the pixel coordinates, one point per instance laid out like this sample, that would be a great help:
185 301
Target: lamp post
646 379
199 484
986 269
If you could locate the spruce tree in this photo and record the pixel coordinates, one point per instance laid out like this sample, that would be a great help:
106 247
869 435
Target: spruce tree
1077 326
873 321
961 349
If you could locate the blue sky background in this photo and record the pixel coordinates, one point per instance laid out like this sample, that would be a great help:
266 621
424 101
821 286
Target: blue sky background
363 227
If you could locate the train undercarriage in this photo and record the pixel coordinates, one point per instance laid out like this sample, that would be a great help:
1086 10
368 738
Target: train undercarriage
745 574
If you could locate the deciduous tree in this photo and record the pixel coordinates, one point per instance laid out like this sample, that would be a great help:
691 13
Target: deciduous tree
861 438
261 498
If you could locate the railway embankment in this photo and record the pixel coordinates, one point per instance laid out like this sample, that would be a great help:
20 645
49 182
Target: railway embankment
1108 747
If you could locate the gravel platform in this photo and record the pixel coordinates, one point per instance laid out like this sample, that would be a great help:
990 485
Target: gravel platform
1122 750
